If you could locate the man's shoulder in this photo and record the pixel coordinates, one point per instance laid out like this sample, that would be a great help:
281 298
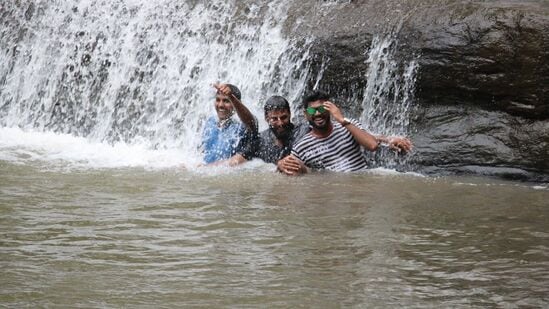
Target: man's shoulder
301 129
210 126
306 139
210 121
235 126
266 136
265 133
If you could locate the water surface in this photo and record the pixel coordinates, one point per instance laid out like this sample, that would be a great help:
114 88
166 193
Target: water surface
252 238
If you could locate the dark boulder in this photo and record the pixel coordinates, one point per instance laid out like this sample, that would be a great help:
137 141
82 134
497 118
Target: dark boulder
482 89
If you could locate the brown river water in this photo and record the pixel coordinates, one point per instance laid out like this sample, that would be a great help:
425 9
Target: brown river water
251 238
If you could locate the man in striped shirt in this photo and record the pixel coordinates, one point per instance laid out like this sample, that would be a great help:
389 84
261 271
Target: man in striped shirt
334 142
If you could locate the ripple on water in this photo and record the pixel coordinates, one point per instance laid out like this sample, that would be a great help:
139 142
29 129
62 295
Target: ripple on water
135 238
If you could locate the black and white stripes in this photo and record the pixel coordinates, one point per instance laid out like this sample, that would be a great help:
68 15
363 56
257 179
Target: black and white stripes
338 152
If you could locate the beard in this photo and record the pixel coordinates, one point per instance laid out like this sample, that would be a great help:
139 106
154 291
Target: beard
321 127
283 134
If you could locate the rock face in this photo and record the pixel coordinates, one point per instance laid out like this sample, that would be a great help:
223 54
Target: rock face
482 90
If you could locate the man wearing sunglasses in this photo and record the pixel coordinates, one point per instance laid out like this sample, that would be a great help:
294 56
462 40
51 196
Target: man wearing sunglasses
334 143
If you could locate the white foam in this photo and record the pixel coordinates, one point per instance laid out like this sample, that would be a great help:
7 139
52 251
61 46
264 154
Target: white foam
392 172
21 147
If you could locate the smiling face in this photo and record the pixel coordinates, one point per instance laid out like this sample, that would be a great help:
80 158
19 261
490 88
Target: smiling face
320 121
279 122
223 106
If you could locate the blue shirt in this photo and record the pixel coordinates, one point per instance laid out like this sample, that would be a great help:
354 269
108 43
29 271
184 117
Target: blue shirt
220 143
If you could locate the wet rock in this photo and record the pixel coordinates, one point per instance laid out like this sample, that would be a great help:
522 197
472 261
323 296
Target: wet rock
482 90
491 56
468 139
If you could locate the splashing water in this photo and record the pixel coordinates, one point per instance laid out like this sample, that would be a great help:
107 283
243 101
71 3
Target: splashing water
390 89
389 94
130 71
138 74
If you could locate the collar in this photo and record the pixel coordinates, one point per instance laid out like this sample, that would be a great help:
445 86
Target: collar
224 123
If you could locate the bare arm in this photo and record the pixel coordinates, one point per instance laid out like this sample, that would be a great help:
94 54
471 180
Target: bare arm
396 143
242 111
365 139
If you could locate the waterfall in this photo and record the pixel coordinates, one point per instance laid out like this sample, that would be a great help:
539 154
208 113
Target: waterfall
389 94
389 90
135 70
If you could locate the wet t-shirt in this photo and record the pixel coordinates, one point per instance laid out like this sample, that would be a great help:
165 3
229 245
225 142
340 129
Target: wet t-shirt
338 152
220 143
269 151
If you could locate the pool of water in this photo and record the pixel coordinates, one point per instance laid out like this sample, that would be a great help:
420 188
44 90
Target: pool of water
248 237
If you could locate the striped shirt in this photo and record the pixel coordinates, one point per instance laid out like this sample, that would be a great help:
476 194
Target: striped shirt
339 152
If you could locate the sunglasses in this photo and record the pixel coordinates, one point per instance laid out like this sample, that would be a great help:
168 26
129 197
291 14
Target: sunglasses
312 110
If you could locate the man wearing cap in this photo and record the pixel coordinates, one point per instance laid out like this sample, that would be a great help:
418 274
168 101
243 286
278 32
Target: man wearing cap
334 143
225 140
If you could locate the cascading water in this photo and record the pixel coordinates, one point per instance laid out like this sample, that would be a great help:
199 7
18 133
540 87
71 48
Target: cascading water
389 94
138 71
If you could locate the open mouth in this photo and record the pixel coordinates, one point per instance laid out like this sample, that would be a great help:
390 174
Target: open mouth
222 112
319 121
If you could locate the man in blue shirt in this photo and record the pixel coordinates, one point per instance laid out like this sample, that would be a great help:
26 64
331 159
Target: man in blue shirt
225 140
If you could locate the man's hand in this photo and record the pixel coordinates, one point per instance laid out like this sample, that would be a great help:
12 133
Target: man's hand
334 111
223 89
242 111
400 144
291 166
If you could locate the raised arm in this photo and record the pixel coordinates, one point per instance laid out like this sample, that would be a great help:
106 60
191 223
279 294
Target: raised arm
242 111
365 139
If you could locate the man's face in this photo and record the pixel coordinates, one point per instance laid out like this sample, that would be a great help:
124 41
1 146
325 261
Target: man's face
279 122
318 117
223 106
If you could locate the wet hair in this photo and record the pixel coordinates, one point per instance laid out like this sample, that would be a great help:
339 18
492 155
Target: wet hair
314 96
276 102
235 91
